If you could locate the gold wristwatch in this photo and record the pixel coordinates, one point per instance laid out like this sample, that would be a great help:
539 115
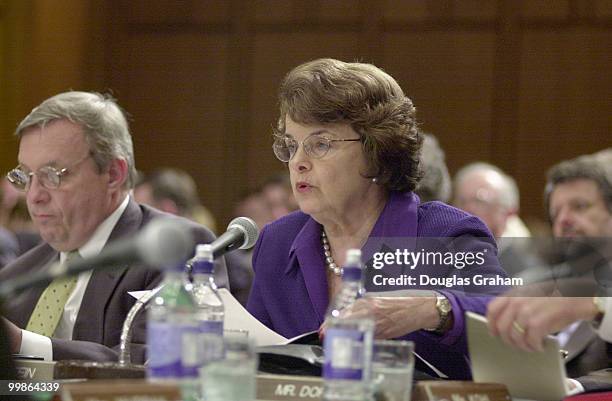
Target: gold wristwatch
444 308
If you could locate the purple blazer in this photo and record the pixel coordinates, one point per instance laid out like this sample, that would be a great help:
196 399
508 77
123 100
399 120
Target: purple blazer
290 291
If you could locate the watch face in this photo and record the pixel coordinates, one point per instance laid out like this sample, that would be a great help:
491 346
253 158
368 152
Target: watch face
445 305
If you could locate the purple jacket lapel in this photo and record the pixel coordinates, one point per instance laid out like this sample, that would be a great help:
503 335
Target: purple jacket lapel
307 249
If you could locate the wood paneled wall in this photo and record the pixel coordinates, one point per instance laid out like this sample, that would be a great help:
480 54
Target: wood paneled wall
522 84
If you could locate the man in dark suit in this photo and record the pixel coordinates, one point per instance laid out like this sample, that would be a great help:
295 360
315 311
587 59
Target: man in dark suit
76 166
579 202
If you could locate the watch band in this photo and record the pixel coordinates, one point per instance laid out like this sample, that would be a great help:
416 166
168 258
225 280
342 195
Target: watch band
444 308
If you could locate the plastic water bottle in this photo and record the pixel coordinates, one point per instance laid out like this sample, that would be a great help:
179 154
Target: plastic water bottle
171 323
210 309
348 341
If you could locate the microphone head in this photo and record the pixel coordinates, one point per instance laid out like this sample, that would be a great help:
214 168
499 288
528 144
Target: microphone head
165 242
248 227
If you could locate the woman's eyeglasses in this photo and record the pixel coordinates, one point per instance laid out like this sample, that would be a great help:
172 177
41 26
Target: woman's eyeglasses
315 146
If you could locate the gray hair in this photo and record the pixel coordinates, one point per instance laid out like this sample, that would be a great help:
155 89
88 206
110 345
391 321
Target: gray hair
103 121
436 182
508 192
594 167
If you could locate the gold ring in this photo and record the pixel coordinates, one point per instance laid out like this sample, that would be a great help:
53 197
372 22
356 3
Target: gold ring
516 326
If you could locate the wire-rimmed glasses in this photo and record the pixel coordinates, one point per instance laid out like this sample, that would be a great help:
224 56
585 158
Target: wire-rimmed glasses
315 146
49 177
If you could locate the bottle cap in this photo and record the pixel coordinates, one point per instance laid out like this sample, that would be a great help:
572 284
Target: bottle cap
353 257
204 251
203 262
352 268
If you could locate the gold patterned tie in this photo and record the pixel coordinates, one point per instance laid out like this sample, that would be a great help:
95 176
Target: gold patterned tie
50 306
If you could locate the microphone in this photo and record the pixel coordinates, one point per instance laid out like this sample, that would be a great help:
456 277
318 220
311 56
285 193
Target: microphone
241 233
161 243
583 267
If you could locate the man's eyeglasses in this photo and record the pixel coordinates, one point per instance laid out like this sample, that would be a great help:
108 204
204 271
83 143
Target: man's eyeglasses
315 146
49 177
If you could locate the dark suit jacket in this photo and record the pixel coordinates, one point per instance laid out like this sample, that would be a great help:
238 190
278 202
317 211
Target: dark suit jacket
586 352
290 289
106 301
9 247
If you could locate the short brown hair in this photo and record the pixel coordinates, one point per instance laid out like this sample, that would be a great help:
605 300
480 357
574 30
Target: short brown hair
371 101
587 167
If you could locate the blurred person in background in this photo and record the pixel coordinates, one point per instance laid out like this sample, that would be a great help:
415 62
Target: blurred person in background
436 182
277 193
174 191
271 200
486 191
15 218
9 248
578 200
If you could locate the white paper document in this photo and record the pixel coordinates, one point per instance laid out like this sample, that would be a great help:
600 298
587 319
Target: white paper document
238 318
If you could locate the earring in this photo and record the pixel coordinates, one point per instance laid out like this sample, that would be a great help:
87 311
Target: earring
374 180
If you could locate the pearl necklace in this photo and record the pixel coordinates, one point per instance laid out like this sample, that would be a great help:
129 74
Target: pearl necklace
329 259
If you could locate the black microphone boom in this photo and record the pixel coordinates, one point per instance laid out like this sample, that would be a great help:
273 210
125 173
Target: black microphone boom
241 233
163 242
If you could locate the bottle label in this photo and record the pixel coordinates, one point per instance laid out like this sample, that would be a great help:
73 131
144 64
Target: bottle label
212 326
190 355
163 350
211 341
344 352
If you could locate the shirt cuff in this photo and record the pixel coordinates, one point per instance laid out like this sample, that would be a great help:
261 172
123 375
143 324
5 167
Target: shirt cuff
36 345
577 389
605 327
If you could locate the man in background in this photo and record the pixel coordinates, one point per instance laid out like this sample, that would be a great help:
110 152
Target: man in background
490 194
578 199
174 191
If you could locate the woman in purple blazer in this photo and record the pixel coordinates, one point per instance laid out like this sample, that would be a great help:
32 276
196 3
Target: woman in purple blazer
349 137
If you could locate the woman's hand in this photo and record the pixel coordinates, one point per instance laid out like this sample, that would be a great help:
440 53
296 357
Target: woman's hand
395 316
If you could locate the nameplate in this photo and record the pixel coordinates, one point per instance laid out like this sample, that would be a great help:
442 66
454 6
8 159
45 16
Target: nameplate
119 390
31 369
289 388
459 391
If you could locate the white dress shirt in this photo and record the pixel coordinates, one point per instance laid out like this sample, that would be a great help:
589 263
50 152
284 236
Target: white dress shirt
35 344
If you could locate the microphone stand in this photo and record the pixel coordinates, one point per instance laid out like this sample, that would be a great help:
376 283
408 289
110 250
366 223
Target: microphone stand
126 331
110 370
